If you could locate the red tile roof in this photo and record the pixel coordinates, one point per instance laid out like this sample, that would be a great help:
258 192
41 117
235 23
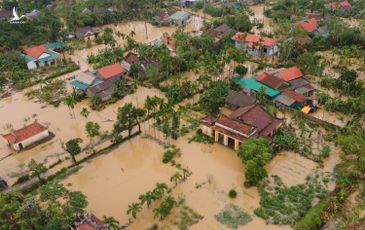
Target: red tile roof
335 5
290 73
110 71
345 4
252 38
35 51
295 96
24 133
270 80
169 42
309 25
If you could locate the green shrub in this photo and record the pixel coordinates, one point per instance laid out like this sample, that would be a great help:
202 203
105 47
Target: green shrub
22 179
312 220
232 193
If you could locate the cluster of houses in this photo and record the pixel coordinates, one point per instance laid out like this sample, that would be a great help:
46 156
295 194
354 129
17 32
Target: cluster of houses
287 87
255 45
339 6
177 18
99 83
248 119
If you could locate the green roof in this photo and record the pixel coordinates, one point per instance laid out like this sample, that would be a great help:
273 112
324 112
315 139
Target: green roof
178 15
28 58
55 45
53 56
251 83
79 85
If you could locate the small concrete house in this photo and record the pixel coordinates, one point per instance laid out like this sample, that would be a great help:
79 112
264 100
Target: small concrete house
26 136
38 56
180 17
86 33
255 45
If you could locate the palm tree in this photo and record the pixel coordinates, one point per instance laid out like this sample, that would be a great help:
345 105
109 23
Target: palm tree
160 190
70 101
176 178
134 209
148 198
112 223
186 173
84 112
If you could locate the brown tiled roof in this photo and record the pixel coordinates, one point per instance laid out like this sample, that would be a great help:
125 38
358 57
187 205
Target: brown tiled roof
294 95
239 99
131 58
271 127
209 120
234 125
254 115
270 80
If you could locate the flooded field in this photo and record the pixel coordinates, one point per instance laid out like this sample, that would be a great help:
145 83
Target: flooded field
113 181
15 109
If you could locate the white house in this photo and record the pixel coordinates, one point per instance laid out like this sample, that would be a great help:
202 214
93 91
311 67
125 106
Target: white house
26 136
255 45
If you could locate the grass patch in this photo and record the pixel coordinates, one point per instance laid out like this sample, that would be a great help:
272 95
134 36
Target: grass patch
186 217
312 220
200 137
233 217
283 205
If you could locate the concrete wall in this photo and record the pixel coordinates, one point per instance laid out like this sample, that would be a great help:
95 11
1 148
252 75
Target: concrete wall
31 140
31 65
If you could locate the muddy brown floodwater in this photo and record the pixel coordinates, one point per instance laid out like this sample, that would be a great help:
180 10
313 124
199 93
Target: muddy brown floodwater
139 28
14 109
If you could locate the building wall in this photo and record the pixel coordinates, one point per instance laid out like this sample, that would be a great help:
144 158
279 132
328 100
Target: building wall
31 140
31 65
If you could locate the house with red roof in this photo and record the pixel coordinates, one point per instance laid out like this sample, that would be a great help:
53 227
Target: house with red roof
255 45
343 5
26 136
40 55
310 25
106 78
272 81
169 42
241 124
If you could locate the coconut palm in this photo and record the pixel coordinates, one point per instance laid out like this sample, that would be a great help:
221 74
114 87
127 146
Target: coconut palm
70 101
113 224
134 209
84 112
160 190
176 178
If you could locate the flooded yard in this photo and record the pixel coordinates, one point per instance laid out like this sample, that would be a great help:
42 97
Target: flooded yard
17 108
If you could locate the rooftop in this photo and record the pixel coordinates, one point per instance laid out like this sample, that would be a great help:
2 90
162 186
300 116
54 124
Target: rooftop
252 39
179 15
24 133
290 74
270 80
35 51
239 99
111 71
310 25
251 83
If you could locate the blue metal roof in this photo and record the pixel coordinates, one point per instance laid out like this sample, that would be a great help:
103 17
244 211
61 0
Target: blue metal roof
79 85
